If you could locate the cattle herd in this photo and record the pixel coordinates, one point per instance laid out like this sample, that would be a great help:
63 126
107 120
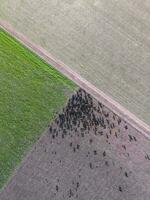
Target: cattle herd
108 140
87 153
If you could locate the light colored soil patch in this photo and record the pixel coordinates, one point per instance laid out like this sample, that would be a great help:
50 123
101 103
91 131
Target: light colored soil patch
80 81
105 41
87 153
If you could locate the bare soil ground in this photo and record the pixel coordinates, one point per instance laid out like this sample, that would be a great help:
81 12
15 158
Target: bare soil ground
88 153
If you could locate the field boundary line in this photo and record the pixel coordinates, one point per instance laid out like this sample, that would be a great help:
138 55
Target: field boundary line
113 105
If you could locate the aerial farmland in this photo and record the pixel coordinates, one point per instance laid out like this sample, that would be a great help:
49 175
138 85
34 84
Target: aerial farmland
31 94
87 152
74 100
105 41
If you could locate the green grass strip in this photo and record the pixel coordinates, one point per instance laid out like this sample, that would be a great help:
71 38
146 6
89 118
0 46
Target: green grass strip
31 92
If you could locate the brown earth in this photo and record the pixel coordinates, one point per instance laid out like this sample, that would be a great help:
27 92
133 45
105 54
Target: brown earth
88 153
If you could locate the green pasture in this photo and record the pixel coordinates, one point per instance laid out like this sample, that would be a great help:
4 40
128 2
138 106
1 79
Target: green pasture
31 92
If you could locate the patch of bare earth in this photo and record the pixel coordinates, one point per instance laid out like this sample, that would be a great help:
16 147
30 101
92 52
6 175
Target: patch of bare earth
88 153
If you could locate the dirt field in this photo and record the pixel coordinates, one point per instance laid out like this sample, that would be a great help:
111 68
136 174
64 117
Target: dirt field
88 153
106 41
